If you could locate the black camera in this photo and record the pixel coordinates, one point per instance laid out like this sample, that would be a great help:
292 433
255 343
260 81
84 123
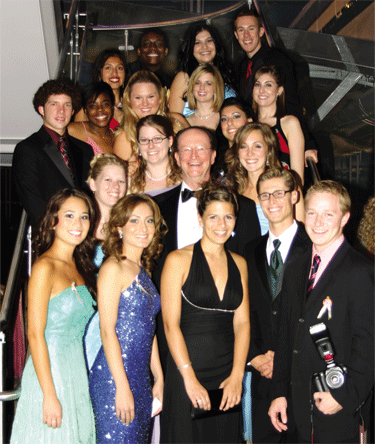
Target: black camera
334 376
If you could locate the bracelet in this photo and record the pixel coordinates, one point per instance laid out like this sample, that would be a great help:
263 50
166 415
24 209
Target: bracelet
184 366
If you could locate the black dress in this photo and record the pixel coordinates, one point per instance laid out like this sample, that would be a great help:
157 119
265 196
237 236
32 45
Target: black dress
207 326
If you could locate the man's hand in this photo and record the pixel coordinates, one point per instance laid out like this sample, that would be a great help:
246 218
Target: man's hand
264 364
277 412
313 154
326 403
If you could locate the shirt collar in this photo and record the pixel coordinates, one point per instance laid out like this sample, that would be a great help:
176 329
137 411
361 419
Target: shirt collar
55 136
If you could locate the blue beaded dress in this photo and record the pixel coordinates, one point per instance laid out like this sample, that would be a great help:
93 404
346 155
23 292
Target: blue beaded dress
135 329
68 313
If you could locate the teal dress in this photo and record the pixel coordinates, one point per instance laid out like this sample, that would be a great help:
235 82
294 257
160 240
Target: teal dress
68 314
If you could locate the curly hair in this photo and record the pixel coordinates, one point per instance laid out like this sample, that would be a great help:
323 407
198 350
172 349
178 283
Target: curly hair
215 191
93 90
218 86
120 215
237 174
188 63
100 61
57 87
279 78
84 252
366 229
164 126
130 119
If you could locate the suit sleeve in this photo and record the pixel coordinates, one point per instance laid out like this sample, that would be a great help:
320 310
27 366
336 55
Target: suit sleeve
360 378
26 179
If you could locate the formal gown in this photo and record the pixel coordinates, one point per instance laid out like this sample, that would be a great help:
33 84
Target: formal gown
207 326
68 313
135 328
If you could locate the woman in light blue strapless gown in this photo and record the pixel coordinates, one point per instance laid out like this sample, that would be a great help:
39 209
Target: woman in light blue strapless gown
55 406
128 302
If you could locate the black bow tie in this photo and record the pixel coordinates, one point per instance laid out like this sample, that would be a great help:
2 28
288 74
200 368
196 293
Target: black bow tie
186 195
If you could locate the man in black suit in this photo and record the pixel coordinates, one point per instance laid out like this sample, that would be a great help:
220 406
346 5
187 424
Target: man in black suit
330 285
249 31
278 194
50 160
195 151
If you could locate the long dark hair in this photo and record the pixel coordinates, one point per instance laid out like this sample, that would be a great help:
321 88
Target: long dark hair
93 90
100 62
84 252
188 62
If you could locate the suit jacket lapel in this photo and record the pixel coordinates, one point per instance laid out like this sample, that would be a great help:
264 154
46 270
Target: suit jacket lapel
297 247
171 220
330 273
261 264
53 153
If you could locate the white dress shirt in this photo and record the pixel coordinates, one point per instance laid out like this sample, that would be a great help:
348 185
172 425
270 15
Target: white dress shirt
188 229
286 239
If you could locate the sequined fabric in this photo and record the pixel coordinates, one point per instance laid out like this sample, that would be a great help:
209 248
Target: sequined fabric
135 329
68 313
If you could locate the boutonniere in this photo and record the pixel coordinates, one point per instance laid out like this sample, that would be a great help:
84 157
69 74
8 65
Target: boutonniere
327 307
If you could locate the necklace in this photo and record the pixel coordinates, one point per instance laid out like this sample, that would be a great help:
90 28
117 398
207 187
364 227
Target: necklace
205 117
156 180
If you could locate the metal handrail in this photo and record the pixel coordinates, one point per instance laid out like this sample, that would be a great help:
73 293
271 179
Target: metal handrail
67 38
11 395
183 21
313 169
13 273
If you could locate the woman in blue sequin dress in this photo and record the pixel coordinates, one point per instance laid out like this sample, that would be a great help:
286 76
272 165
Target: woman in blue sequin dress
128 302
55 406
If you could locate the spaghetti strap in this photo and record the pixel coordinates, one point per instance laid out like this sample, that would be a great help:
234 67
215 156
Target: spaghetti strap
84 127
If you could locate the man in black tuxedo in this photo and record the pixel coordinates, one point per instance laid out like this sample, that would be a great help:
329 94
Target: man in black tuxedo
195 151
277 194
249 31
333 285
50 160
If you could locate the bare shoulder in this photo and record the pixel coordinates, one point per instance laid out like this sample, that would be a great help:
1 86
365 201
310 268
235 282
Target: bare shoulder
180 258
75 129
289 121
44 266
181 78
110 266
240 262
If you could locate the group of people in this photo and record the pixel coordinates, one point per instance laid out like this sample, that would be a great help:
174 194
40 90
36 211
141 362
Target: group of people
136 198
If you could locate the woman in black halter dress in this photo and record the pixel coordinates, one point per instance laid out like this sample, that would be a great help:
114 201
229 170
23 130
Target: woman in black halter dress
205 310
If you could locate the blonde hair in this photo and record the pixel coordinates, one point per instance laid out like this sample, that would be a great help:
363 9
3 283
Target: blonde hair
336 188
130 119
236 171
100 161
366 229
218 86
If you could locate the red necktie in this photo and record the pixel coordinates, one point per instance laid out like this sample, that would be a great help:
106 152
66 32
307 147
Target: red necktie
314 270
248 72
62 146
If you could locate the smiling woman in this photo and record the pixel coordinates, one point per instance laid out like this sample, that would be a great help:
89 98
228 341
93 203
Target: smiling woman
205 309
98 104
59 306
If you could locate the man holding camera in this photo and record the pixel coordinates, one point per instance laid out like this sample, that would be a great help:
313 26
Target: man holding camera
326 337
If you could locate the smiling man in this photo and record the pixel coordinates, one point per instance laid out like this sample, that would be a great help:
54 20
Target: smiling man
249 31
334 285
278 195
152 51
50 159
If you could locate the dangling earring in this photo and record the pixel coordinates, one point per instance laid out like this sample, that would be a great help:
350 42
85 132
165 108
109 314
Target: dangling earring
267 163
120 234
170 149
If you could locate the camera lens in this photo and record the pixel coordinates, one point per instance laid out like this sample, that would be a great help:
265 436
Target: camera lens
335 378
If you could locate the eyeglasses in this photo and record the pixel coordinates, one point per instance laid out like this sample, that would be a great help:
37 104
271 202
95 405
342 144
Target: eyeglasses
155 140
278 194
